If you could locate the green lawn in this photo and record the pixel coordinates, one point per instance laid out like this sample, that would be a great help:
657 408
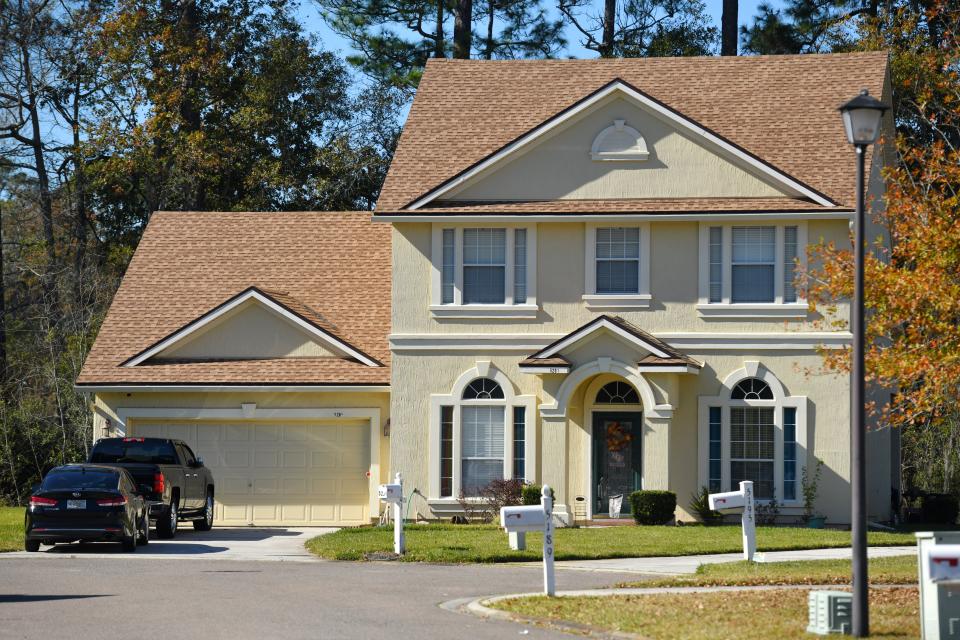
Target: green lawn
896 570
751 615
11 528
488 543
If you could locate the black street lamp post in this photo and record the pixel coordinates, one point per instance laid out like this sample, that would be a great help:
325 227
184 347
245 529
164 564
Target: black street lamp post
861 119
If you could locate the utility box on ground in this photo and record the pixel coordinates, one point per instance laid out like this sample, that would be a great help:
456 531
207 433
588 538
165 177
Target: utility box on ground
938 554
829 612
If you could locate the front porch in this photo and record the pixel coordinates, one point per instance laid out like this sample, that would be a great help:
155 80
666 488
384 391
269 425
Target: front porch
605 416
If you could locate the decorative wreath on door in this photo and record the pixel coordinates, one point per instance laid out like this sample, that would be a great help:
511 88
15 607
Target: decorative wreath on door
618 437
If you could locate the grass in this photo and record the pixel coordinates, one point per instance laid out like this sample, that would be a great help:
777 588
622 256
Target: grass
750 615
895 570
11 528
488 543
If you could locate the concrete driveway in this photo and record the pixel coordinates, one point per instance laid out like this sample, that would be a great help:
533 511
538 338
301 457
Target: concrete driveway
221 543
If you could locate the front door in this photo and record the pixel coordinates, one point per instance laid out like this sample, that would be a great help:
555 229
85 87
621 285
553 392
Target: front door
617 437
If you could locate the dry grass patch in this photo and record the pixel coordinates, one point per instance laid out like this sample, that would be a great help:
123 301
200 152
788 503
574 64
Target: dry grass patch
747 615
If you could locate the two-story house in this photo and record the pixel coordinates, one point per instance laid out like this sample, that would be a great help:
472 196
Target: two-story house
579 273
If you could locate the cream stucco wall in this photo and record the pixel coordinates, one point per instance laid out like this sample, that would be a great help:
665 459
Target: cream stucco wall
671 452
674 248
250 331
560 167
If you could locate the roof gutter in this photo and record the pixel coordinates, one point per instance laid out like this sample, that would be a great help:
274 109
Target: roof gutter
225 388
407 216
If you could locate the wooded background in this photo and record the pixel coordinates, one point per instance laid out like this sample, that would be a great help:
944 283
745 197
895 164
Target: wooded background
113 109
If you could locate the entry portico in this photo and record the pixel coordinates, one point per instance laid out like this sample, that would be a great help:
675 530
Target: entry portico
618 371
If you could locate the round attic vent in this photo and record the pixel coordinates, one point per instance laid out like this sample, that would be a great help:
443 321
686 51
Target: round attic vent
619 143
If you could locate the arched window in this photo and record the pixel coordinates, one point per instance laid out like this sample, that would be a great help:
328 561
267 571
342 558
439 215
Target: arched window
483 389
754 431
752 389
617 392
482 435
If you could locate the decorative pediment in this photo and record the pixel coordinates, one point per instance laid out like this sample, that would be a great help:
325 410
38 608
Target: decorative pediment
253 325
619 143
649 151
651 353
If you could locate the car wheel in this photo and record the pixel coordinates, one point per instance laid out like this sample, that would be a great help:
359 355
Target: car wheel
129 543
207 523
32 545
143 535
167 524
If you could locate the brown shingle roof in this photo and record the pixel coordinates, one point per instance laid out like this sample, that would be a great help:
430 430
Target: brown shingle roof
779 108
333 268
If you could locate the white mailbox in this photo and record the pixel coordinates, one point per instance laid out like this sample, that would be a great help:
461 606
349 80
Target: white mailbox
390 492
742 499
523 519
938 554
728 500
943 561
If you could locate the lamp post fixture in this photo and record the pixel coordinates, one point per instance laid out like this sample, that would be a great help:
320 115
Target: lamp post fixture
861 120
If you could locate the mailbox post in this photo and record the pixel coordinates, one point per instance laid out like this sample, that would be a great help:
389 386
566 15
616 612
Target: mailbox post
518 520
939 559
393 494
742 499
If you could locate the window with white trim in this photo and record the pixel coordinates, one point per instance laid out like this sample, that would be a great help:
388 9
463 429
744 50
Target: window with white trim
481 440
617 266
753 432
483 268
751 266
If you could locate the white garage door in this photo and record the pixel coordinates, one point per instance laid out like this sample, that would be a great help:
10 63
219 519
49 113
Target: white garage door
280 474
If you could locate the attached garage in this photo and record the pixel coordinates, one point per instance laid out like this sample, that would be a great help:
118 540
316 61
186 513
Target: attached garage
280 473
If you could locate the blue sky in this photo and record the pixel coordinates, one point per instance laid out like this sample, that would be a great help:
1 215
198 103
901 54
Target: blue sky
332 42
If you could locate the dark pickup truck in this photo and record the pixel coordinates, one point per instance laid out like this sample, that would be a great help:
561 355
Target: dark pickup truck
173 481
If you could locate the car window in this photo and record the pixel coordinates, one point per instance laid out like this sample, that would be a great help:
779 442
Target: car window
80 479
188 456
133 450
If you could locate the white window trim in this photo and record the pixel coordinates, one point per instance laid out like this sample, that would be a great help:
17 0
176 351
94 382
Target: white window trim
454 399
727 309
457 309
779 403
609 301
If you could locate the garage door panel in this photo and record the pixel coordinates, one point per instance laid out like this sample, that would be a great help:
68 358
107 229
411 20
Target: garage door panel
274 474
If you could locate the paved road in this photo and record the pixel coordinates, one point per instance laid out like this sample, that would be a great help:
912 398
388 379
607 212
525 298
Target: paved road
92 597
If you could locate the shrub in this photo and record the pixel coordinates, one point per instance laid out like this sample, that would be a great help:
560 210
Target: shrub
653 507
700 507
531 494
939 508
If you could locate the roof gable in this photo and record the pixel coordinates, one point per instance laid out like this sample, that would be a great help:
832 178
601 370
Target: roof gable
652 353
254 324
558 159
778 108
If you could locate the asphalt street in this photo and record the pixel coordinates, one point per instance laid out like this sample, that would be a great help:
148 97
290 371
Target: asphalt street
126 597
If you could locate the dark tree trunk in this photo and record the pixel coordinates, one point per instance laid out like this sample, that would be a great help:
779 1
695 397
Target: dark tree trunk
488 47
462 25
609 28
729 28
80 218
438 51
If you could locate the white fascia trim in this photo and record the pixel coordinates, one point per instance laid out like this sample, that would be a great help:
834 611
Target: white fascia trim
668 114
745 310
669 369
204 320
600 301
479 311
538 369
200 388
709 341
721 216
603 324
370 414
